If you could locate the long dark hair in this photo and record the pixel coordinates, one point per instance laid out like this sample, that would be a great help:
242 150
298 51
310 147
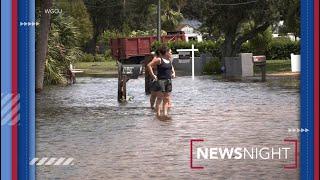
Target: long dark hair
162 50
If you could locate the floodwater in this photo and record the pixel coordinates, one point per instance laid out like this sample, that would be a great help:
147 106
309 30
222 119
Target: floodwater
109 140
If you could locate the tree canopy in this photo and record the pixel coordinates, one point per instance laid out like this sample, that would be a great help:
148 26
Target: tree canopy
126 16
82 23
236 20
291 17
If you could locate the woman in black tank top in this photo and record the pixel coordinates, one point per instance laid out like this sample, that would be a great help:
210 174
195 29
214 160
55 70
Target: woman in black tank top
164 69
165 72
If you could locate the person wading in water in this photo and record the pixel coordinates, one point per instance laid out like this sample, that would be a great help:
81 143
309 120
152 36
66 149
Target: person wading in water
165 72
154 88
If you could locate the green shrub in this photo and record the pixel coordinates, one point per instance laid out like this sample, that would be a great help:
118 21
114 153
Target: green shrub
108 56
63 48
204 47
245 48
87 58
274 48
212 67
96 58
281 48
261 43
99 58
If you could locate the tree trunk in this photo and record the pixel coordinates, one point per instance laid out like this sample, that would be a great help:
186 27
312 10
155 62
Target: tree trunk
237 47
232 45
228 46
42 44
92 44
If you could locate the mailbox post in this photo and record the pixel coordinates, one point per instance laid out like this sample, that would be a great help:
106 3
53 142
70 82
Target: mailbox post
122 95
261 62
126 72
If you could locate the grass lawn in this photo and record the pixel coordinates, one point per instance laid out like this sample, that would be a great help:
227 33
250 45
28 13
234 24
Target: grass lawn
97 68
275 66
279 74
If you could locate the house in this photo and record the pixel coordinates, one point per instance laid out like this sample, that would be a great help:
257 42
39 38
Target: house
189 32
276 32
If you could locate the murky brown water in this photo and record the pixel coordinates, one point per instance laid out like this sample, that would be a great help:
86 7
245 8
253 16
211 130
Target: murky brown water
113 141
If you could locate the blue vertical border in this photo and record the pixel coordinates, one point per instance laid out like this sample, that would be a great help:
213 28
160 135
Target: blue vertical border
32 49
26 63
307 90
6 66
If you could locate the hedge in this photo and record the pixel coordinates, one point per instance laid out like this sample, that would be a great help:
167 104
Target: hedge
279 48
204 47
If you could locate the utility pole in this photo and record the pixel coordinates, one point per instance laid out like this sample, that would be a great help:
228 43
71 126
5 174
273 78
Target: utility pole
124 8
159 21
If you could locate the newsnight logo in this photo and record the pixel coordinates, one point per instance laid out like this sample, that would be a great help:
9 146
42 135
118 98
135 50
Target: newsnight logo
287 151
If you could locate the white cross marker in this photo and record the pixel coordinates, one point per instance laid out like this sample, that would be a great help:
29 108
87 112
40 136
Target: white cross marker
192 57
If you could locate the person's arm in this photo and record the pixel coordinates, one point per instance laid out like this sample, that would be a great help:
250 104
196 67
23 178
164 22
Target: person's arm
155 61
173 72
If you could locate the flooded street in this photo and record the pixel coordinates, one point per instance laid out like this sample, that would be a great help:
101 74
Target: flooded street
109 140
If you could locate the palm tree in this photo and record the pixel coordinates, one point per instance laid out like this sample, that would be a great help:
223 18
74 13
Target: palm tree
170 18
42 43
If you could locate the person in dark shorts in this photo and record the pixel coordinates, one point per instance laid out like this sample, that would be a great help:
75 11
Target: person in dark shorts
165 72
154 87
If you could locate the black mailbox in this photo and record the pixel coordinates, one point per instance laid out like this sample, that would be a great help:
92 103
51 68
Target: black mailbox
261 62
132 70
126 72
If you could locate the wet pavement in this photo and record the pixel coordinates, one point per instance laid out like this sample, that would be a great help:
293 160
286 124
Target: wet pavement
109 140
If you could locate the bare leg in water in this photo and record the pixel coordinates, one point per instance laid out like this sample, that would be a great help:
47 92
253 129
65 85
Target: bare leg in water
166 100
153 98
158 103
170 102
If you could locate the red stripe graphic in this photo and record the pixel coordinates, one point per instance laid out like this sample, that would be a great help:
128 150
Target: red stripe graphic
316 89
14 47
295 164
191 154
